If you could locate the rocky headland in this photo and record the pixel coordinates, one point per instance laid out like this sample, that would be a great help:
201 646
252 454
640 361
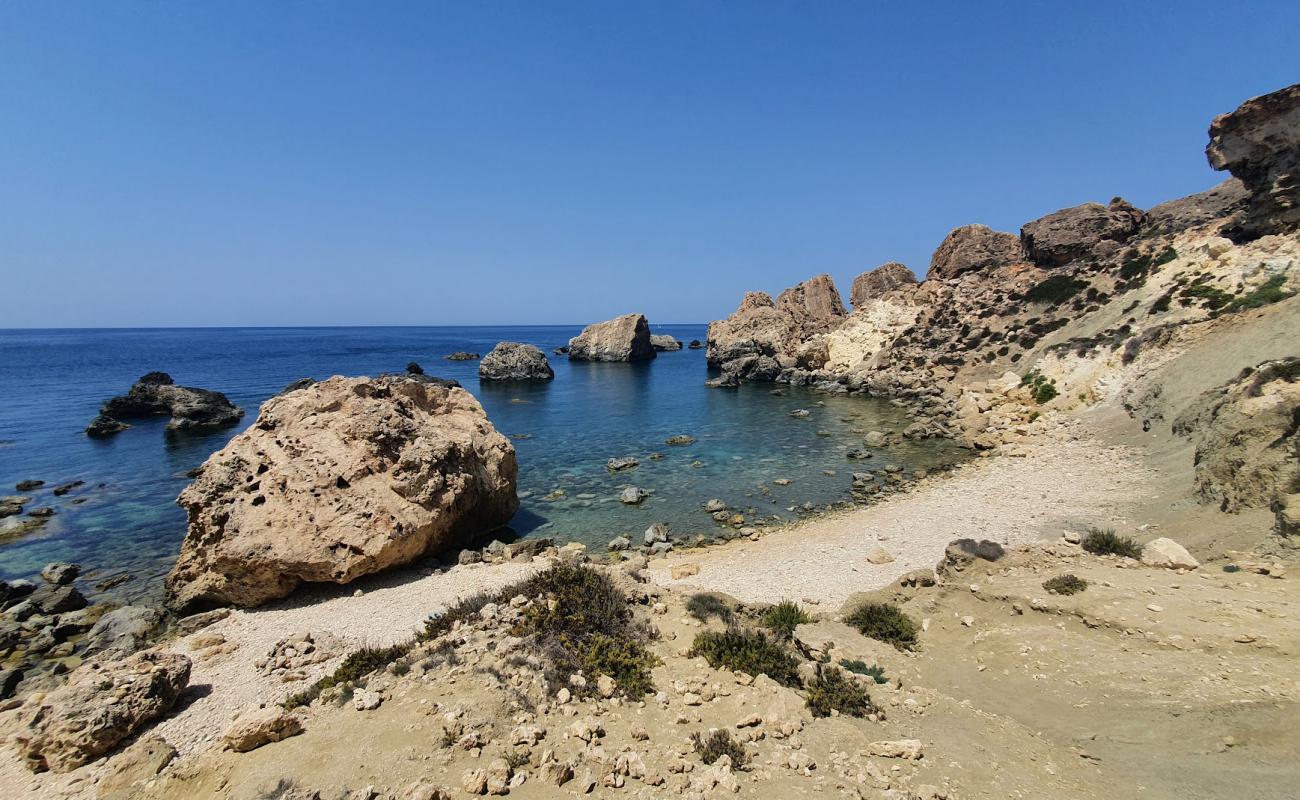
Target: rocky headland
1101 606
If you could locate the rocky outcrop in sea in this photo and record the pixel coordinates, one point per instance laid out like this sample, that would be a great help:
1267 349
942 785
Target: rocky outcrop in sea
342 478
625 338
513 361
155 395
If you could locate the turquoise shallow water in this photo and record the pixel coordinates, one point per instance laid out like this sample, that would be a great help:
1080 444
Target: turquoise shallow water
124 519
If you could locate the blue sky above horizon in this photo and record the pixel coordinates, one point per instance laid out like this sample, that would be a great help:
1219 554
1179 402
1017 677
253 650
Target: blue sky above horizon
307 163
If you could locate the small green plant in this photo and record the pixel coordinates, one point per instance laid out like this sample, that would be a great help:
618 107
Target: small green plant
886 623
1041 389
358 665
831 690
860 667
1107 542
1213 297
706 605
717 744
784 617
750 652
1065 584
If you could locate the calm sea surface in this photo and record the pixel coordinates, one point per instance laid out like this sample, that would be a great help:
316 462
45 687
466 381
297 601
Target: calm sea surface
124 519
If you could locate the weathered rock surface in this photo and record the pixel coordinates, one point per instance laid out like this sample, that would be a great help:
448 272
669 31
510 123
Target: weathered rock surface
156 395
343 478
812 307
973 247
625 338
121 631
1196 210
1246 436
261 727
882 279
461 355
1168 554
1259 143
103 703
103 425
134 767
1082 233
513 361
664 342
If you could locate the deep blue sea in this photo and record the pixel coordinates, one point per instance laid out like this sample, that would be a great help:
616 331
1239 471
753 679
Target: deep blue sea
124 518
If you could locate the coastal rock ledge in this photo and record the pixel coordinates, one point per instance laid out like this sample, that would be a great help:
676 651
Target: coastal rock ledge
339 479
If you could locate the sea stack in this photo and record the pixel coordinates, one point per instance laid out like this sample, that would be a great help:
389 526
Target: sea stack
339 479
625 338
513 361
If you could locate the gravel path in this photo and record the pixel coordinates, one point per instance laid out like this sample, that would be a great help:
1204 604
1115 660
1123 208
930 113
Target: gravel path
1057 482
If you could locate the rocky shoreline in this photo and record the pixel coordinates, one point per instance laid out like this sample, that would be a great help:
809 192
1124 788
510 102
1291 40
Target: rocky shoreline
1126 372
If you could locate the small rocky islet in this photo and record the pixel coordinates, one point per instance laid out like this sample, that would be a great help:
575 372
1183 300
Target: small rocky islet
609 674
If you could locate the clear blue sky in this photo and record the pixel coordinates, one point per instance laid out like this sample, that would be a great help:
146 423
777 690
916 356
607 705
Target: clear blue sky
171 163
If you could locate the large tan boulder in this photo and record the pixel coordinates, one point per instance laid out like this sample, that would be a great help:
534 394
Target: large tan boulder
102 704
339 479
625 338
812 307
1167 554
260 727
973 247
884 278
1083 233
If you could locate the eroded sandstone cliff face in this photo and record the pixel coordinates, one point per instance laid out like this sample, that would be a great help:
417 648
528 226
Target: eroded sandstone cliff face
1259 143
338 479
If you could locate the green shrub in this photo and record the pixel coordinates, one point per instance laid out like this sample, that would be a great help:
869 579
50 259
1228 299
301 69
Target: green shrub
718 744
705 605
1267 293
830 690
1107 542
784 617
1065 584
1041 389
750 652
1214 298
886 623
859 667
624 660
584 624
1055 289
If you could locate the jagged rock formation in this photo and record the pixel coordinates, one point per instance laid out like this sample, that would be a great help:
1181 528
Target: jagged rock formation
1082 233
155 395
340 479
884 278
762 339
1259 143
513 361
102 704
1247 435
625 338
970 248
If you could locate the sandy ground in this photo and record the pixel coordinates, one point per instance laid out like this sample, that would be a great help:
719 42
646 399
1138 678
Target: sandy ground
1066 480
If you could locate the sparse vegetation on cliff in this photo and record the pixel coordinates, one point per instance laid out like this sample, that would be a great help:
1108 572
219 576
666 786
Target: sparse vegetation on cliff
784 617
751 652
1065 584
